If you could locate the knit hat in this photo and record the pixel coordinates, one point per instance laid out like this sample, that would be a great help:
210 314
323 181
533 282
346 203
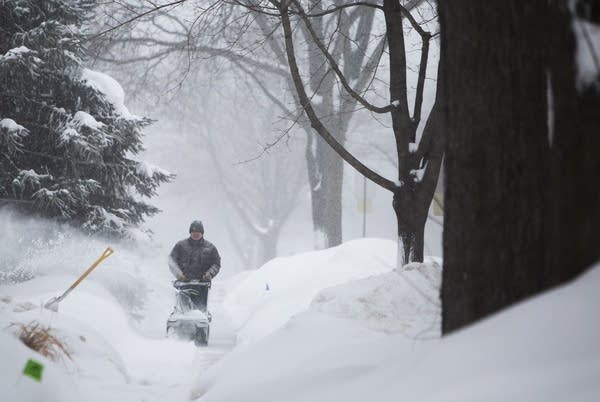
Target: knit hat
197 226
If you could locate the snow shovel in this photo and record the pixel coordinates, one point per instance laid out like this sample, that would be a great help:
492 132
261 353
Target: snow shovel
52 304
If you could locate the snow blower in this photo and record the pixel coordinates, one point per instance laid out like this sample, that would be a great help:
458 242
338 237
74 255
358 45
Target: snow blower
190 319
52 304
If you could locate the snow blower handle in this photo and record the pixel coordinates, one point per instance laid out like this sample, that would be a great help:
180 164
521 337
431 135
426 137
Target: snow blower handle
107 253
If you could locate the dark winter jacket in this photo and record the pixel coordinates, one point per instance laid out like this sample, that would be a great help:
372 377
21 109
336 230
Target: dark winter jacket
193 258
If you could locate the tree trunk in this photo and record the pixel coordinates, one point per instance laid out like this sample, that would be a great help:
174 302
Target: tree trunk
506 217
405 201
411 225
573 192
494 160
327 170
325 176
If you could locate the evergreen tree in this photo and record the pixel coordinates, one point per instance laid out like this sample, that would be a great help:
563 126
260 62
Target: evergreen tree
67 142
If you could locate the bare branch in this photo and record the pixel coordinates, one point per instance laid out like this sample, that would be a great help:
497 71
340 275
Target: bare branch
335 67
268 33
263 88
255 8
421 81
341 7
136 17
412 20
315 122
172 47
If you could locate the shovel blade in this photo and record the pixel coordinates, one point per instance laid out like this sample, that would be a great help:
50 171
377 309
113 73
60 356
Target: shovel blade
52 304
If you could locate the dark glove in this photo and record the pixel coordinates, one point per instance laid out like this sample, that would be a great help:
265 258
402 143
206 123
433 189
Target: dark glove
207 276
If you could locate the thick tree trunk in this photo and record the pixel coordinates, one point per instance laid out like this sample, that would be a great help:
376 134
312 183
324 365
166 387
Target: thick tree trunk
495 157
325 175
327 170
573 192
515 206
405 202
411 216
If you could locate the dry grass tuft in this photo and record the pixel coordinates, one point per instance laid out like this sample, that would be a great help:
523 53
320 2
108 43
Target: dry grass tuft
40 339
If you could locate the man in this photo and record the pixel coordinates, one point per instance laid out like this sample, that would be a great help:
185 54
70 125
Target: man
195 258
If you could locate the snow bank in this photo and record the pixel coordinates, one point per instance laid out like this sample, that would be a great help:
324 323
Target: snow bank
15 387
110 360
405 300
92 352
327 305
545 349
265 299
310 354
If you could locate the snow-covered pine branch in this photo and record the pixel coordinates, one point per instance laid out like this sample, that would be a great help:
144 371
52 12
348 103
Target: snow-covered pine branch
67 137
11 135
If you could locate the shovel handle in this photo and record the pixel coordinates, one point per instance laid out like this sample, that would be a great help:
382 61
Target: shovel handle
107 253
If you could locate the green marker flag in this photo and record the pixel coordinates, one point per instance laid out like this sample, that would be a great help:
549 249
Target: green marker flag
33 369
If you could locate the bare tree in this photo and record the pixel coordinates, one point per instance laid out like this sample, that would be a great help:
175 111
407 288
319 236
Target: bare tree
418 166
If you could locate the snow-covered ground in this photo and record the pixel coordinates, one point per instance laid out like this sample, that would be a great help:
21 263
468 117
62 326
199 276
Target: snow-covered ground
337 324
545 349
112 359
